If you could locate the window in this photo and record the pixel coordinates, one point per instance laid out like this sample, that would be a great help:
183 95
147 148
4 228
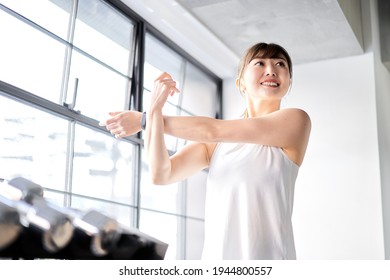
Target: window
64 65
33 144
58 60
34 61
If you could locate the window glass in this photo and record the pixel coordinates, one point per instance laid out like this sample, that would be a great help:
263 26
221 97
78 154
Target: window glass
104 33
199 92
194 239
167 198
52 15
121 213
99 89
102 166
33 144
159 58
54 197
29 59
165 228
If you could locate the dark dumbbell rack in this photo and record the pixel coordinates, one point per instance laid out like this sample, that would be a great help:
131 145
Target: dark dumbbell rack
93 236
129 247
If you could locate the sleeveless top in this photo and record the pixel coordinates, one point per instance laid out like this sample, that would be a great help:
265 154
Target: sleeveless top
249 203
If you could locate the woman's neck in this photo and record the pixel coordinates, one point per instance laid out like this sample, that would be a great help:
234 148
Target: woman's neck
262 108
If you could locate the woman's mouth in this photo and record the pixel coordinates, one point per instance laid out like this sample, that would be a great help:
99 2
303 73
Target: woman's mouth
270 84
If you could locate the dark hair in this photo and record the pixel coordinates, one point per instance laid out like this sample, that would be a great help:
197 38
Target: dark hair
262 50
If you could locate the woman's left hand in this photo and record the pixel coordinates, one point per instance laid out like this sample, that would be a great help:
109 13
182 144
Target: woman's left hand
164 86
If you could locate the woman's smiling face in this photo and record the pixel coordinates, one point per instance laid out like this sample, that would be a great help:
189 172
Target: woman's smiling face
266 78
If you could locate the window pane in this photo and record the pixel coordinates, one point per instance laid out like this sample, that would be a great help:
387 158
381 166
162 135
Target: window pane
102 166
165 228
104 33
56 198
33 144
150 74
121 213
162 198
29 59
194 239
199 93
163 58
159 58
52 15
99 90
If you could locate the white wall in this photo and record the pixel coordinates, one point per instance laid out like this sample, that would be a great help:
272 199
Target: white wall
337 212
382 83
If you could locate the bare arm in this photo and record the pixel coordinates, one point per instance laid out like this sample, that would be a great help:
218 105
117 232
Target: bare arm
288 129
165 169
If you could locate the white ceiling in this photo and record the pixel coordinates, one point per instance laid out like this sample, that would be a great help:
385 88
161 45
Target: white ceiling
310 29
217 32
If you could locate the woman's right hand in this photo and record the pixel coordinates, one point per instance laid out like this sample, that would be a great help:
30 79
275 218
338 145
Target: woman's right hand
164 86
123 123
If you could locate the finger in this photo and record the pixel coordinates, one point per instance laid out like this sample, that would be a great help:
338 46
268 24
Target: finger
163 75
115 132
107 121
119 135
115 120
114 127
170 84
173 91
113 114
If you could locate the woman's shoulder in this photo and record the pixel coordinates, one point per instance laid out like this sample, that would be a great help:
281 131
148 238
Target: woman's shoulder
295 113
300 124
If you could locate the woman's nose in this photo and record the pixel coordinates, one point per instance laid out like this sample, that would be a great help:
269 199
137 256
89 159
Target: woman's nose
270 71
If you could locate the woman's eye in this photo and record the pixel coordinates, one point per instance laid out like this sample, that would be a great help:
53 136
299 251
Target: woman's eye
281 63
259 63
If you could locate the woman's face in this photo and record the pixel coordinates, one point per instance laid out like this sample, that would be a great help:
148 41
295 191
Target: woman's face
266 78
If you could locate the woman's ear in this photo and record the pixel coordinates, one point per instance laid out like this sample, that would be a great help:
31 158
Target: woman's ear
240 86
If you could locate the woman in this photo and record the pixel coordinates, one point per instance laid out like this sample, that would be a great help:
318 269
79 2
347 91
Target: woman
253 161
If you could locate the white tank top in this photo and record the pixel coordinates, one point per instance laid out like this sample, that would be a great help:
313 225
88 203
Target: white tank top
249 203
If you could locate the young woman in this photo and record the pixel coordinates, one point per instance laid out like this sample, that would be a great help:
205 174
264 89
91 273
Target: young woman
253 161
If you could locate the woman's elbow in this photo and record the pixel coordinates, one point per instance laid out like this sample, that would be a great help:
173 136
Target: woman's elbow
159 179
211 134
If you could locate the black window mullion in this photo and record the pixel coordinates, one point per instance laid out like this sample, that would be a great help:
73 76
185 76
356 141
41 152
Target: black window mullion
136 104
138 67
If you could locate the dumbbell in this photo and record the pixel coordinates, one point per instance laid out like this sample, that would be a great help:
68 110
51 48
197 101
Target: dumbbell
10 226
52 225
21 189
95 232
